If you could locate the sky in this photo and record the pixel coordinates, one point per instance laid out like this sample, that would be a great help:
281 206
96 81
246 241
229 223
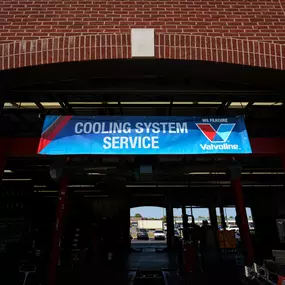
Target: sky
157 212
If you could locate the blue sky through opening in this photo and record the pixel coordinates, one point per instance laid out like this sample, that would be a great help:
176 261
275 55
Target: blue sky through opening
158 212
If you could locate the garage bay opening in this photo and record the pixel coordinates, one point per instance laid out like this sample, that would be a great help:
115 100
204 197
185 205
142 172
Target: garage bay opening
148 238
144 171
148 224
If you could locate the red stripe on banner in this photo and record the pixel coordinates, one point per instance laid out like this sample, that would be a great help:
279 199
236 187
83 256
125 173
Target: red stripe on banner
208 131
47 137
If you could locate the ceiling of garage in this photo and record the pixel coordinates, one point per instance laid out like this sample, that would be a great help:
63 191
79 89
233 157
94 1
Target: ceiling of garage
180 177
142 88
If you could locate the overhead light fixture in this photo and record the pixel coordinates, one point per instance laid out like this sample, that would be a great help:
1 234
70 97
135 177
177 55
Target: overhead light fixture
145 103
50 104
124 103
173 186
16 179
30 105
8 171
95 173
8 105
210 103
267 103
25 105
238 104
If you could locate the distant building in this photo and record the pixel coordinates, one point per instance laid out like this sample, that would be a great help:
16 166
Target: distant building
134 221
148 224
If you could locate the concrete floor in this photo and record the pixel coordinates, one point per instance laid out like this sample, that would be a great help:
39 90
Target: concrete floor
148 258
223 273
145 257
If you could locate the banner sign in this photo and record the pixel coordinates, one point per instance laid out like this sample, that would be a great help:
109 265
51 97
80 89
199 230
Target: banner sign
70 135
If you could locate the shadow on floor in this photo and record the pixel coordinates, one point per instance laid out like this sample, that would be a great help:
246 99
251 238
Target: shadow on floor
151 256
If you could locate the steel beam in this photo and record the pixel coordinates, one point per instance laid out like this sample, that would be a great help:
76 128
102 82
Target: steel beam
39 105
129 91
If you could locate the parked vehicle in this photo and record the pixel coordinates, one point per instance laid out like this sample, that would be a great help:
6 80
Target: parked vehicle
142 234
159 235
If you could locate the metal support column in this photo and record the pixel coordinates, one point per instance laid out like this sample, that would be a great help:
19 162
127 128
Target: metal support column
56 241
184 221
2 152
235 171
2 165
213 217
170 225
223 220
214 226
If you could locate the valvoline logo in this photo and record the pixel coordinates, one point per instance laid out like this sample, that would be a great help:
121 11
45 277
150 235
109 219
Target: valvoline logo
219 135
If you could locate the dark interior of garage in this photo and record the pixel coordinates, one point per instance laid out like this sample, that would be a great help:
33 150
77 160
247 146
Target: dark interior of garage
92 195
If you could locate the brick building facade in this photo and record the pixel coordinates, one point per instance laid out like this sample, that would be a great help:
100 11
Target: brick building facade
49 31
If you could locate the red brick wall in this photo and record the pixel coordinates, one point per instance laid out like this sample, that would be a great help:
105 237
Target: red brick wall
34 19
248 21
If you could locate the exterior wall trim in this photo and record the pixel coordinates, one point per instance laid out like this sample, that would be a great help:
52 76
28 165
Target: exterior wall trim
118 46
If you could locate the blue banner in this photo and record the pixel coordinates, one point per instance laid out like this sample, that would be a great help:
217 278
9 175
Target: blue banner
71 135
